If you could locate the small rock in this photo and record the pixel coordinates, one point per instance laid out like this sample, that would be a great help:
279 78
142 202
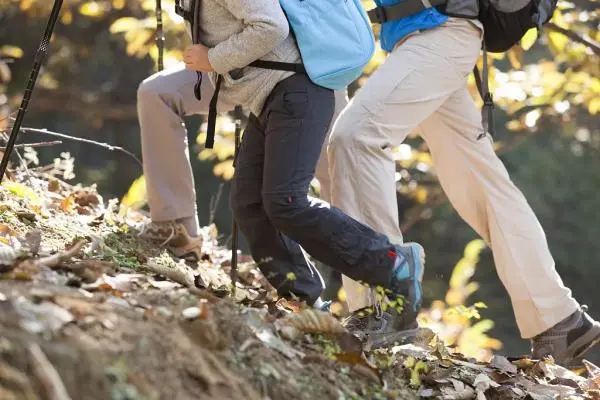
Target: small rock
39 295
191 313
426 393
8 255
164 311
108 324
33 240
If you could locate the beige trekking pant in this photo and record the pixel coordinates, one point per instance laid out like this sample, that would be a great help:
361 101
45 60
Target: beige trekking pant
163 100
422 86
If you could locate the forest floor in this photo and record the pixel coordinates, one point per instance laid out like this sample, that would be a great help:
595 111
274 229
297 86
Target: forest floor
90 311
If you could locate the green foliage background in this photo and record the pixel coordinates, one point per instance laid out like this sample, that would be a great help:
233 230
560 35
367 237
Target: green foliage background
547 123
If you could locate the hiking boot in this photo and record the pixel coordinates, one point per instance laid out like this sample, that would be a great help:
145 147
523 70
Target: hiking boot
399 311
568 340
175 238
371 322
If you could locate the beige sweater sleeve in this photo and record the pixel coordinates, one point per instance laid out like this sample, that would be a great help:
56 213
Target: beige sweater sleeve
265 26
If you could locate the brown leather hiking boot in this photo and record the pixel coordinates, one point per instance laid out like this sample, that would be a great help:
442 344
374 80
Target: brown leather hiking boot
175 238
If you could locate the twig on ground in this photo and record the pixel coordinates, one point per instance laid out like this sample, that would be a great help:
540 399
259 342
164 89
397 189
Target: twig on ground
58 258
45 372
38 144
179 274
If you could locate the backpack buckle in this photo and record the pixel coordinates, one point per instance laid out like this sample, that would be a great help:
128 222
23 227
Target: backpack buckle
488 100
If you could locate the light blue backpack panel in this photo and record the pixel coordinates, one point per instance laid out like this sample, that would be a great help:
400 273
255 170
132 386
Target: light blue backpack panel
334 37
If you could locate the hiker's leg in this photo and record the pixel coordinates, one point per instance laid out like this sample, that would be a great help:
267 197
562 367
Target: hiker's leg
322 169
163 100
331 277
296 120
280 259
417 77
480 189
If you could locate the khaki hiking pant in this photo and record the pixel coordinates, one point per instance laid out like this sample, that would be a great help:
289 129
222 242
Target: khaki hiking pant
163 100
422 87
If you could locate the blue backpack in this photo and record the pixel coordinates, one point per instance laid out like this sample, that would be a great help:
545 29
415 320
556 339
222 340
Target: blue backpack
334 38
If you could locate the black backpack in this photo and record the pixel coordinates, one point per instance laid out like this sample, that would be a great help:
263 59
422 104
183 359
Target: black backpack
505 22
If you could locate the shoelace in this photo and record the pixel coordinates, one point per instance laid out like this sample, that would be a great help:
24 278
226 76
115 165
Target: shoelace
171 234
377 306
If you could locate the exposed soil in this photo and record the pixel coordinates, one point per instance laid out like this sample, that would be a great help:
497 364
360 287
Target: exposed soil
90 311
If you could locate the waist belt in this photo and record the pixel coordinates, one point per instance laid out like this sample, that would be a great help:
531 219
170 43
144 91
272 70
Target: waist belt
382 14
236 74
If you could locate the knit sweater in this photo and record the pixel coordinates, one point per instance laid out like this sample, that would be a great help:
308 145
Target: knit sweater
239 32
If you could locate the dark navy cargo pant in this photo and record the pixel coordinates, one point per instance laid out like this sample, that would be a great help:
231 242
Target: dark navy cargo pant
274 168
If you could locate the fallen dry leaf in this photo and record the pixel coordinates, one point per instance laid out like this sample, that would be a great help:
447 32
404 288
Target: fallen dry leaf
67 204
313 321
502 364
594 373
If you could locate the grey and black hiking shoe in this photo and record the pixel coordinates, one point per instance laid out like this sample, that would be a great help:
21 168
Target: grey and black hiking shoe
569 340
398 312
370 322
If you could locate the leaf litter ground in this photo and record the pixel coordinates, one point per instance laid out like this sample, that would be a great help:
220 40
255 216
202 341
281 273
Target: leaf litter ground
91 311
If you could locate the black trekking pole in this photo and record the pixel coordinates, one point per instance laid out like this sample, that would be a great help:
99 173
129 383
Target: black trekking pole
160 36
37 65
234 229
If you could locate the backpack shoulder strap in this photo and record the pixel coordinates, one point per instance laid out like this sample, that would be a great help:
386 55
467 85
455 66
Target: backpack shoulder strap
482 82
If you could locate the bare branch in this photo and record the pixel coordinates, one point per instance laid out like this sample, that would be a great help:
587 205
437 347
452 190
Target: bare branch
576 37
82 140
38 144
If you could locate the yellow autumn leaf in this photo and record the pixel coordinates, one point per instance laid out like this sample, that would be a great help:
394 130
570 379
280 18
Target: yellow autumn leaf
118 4
473 249
124 24
224 169
342 295
136 196
557 41
529 39
421 195
25 4
66 17
11 51
67 204
135 46
594 106
20 190
91 9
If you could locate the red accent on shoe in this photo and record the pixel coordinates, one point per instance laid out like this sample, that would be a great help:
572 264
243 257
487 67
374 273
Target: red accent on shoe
290 200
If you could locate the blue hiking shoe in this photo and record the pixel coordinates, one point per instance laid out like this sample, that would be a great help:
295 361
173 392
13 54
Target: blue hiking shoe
395 309
406 294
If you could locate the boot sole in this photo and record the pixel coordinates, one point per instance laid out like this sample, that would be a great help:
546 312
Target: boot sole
584 344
